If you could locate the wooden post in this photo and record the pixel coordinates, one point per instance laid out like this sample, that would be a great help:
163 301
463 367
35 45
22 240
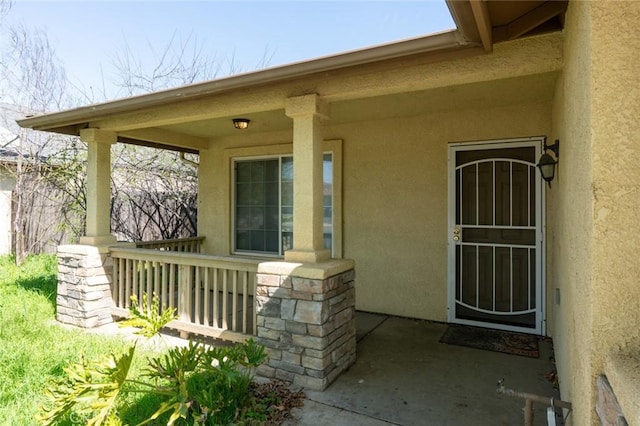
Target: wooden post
530 398
184 296
528 412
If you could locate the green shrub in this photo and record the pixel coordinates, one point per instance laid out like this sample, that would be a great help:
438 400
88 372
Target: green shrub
196 384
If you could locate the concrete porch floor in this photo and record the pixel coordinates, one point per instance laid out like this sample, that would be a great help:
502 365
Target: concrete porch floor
404 376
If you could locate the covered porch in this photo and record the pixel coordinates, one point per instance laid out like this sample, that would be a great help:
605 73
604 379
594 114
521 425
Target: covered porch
302 313
363 166
389 116
405 376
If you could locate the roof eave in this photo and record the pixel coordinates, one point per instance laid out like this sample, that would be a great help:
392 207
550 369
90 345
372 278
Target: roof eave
67 121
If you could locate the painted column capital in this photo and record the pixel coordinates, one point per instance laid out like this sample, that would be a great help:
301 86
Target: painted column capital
98 136
306 105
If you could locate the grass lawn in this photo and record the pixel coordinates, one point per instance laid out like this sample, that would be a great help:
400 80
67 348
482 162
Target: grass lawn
34 349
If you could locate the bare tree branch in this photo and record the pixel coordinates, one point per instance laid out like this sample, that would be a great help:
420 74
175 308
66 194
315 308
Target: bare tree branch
5 7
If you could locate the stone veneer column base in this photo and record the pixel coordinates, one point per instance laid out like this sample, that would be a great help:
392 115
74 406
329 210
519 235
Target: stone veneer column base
306 320
84 286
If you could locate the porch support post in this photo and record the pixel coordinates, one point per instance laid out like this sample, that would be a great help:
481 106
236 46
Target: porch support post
307 113
306 320
85 270
98 231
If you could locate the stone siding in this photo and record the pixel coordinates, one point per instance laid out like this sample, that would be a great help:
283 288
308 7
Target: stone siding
84 286
308 327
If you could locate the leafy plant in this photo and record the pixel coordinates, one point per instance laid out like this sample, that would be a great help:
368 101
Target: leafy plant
147 316
89 388
200 384
206 385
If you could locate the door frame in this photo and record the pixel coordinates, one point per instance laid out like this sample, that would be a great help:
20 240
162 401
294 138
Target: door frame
453 147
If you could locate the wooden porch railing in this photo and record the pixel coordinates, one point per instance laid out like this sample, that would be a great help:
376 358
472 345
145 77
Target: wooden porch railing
214 296
186 245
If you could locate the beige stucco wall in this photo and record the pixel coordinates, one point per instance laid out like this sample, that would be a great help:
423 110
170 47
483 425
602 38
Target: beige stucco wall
594 206
394 197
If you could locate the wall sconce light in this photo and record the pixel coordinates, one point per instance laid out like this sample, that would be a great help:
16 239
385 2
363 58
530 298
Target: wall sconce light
547 163
241 123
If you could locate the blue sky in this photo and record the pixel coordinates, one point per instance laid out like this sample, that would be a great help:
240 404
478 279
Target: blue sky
87 35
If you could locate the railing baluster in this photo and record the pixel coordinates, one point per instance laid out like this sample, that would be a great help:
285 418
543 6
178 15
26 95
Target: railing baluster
225 298
245 299
234 302
164 288
156 279
216 322
140 279
129 273
172 285
254 290
136 280
184 292
185 303
205 279
149 283
114 283
196 290
121 284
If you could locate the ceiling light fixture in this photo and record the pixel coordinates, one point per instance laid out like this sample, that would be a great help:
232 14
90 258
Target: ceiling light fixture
241 123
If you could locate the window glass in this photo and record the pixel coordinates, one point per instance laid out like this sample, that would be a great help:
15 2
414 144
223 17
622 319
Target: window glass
256 222
286 203
327 201
263 210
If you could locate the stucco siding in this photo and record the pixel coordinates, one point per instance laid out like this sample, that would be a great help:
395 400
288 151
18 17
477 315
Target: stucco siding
593 208
394 197
615 61
616 175
394 149
570 216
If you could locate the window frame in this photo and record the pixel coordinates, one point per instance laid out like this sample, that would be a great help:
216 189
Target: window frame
266 152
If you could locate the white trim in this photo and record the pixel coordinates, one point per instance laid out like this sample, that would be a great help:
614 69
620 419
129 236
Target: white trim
535 142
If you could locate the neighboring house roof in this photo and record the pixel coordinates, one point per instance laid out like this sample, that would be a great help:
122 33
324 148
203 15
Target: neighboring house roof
480 24
8 143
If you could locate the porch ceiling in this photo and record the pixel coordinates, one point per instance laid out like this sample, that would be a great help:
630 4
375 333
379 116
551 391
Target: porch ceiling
496 93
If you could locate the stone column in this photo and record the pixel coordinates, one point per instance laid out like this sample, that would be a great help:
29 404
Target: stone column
84 286
306 320
98 186
307 112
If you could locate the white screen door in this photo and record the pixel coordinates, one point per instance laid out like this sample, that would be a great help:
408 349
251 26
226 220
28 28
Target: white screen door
495 235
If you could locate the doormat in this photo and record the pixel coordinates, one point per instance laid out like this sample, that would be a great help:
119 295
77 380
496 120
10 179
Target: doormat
492 340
